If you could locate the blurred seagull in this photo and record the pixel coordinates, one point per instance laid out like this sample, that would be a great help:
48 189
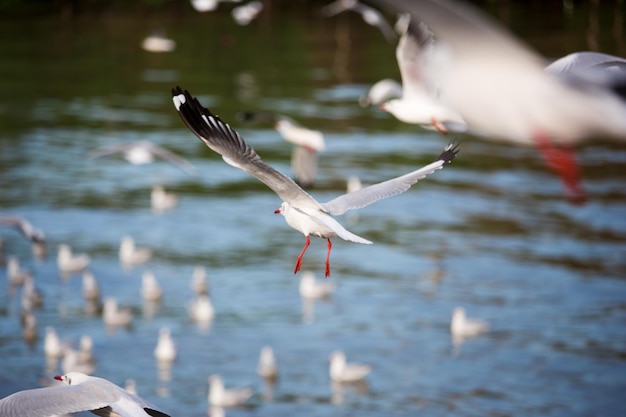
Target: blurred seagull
143 152
157 42
114 316
25 227
199 283
499 86
91 290
201 309
307 144
267 367
161 200
245 14
68 262
370 15
419 103
165 350
132 255
311 288
15 274
150 289
209 5
222 397
79 392
461 326
302 212
342 371
52 346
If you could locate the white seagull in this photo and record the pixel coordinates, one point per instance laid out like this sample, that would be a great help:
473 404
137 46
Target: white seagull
199 283
500 87
113 315
223 397
161 200
143 152
267 367
419 103
342 371
25 227
165 350
91 289
131 254
78 392
307 144
311 288
68 262
151 291
157 42
370 15
201 310
462 327
245 14
301 211
17 275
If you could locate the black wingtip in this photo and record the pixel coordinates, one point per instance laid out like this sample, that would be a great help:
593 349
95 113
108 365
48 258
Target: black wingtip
449 152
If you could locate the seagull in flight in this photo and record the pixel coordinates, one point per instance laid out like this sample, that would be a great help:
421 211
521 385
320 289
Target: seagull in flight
301 211
500 87
144 152
78 392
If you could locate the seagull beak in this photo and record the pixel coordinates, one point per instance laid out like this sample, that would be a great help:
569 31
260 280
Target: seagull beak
382 106
277 211
58 378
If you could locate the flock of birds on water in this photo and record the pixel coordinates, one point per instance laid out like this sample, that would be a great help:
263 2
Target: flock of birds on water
461 74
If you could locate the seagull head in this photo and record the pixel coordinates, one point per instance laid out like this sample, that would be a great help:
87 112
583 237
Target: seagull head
72 378
282 209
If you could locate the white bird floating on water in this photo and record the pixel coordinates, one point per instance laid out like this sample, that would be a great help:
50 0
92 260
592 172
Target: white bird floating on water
209 5
132 255
302 212
143 152
161 200
267 367
70 263
246 13
165 350
219 396
78 392
463 327
52 346
91 290
157 42
16 275
114 316
312 288
342 371
201 309
199 282
307 144
150 289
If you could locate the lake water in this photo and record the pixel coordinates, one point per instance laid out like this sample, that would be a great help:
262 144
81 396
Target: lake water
491 232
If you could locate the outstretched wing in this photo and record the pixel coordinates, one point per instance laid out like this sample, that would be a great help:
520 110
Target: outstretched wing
368 195
221 138
54 400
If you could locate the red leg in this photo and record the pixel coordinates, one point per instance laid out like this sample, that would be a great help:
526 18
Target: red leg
438 126
330 245
562 161
299 260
